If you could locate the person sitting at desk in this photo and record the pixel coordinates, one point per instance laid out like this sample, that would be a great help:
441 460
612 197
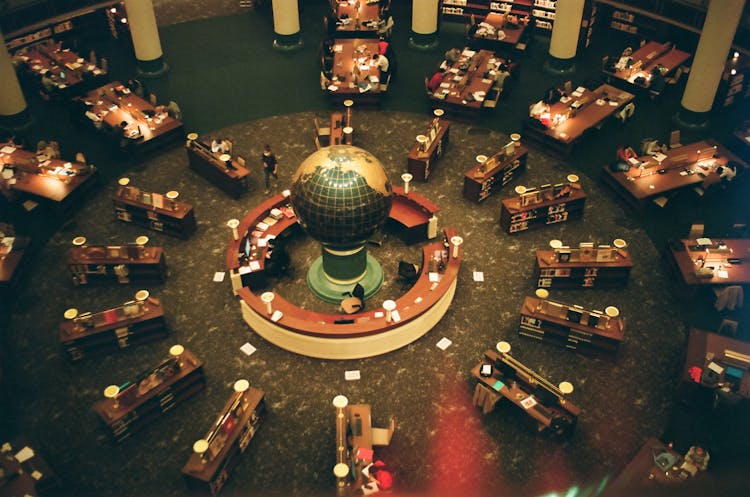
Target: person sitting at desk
220 146
382 46
652 147
540 112
452 55
435 80
657 82
501 75
47 83
695 460
277 258
381 62
553 95
624 154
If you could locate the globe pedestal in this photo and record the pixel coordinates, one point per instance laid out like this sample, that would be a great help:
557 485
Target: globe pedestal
333 291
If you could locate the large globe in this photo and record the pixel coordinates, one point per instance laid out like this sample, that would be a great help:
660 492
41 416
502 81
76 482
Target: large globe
341 195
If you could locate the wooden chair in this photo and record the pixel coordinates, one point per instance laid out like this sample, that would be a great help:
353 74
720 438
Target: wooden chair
386 29
152 98
241 160
672 80
104 64
384 84
323 81
491 98
696 231
674 139
427 86
727 327
321 131
80 158
316 140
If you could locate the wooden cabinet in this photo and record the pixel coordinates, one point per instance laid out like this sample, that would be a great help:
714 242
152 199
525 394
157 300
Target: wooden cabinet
132 323
123 264
151 394
230 175
571 326
483 180
421 158
227 440
521 213
154 211
581 271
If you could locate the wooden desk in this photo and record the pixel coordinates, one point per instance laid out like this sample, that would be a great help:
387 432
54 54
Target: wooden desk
233 180
107 331
464 87
541 400
592 109
419 163
151 394
69 72
12 262
683 167
59 183
360 21
31 477
649 56
122 264
360 424
483 180
684 253
506 35
415 215
347 52
114 103
154 211
642 474
724 352
551 273
515 217
228 438
548 322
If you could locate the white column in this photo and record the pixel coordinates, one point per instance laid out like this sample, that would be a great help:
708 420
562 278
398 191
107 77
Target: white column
710 57
424 23
565 31
286 25
145 34
12 101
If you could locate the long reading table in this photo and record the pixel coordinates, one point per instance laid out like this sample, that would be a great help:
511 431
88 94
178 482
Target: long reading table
229 175
636 69
355 77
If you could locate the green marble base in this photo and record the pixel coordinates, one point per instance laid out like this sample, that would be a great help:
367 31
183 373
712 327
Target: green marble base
325 289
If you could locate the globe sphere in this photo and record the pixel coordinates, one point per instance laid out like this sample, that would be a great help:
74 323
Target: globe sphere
341 195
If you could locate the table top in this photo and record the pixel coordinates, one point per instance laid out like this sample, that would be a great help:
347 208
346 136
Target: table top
203 150
464 82
53 179
513 204
556 312
649 55
357 16
686 254
72 330
499 21
133 196
642 472
351 53
114 103
65 67
547 259
702 343
114 254
594 107
680 167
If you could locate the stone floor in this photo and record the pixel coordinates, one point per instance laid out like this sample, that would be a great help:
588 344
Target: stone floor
442 446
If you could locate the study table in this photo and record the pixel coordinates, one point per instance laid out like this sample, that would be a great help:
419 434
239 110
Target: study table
500 33
146 126
355 77
487 177
727 258
338 336
14 255
643 60
69 72
501 375
566 121
60 183
357 18
220 169
718 362
688 166
467 83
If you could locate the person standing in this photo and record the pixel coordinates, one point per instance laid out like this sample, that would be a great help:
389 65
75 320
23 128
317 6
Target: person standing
270 166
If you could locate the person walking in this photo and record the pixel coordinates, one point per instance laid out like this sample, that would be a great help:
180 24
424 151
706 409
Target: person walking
270 166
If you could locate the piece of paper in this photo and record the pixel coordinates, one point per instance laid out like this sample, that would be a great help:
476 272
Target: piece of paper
379 314
37 475
395 316
24 454
247 348
498 385
6 447
254 265
478 276
276 315
704 242
434 277
29 205
444 343
722 273
528 402
219 276
352 375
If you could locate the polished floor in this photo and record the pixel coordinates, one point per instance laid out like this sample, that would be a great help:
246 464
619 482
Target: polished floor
443 446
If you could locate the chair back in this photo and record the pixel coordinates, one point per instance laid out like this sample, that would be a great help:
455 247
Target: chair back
105 64
696 231
80 158
674 139
152 98
241 160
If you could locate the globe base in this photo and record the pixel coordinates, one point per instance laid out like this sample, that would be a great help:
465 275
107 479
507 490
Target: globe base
325 289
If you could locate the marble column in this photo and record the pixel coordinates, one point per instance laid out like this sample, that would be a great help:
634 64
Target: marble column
566 29
424 24
286 25
13 110
145 34
710 58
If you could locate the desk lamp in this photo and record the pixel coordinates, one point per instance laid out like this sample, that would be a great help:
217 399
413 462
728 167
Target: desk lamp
200 447
407 178
111 392
348 104
389 306
233 224
79 241
566 388
456 241
141 241
572 178
267 298
503 347
542 294
612 312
